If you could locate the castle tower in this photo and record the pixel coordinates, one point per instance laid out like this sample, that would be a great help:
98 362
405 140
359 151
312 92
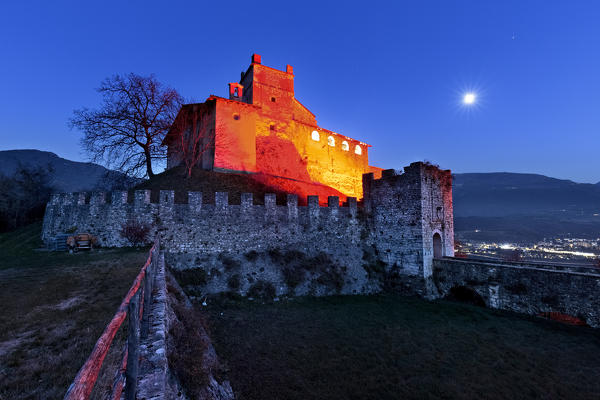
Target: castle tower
412 217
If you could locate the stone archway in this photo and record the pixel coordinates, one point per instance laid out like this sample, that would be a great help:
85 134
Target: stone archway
437 246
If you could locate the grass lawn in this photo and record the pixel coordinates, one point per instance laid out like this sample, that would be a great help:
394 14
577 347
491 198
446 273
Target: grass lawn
54 308
389 347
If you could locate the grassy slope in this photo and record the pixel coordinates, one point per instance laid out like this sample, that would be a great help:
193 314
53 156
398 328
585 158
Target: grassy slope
209 182
386 347
54 308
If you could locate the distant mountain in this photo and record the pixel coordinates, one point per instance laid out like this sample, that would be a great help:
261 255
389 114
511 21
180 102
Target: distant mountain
68 176
524 207
504 194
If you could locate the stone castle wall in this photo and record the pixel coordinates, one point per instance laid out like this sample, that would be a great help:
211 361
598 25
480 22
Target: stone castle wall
353 246
525 288
387 242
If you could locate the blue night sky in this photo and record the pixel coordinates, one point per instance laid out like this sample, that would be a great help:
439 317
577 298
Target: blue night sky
390 75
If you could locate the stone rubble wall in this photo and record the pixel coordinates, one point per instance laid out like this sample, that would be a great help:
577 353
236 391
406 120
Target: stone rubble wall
390 233
525 288
155 379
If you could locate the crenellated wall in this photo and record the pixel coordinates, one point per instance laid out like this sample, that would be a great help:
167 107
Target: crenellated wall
391 232
199 227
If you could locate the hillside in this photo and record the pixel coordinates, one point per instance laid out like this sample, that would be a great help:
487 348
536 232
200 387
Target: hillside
524 207
209 182
503 194
67 176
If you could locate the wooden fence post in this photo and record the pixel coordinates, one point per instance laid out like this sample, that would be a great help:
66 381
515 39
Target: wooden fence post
147 298
133 344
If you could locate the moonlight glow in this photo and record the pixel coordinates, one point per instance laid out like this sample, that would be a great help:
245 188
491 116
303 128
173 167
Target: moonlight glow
469 98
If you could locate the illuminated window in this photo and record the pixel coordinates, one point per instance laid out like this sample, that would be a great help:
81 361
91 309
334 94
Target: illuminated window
315 136
331 141
236 116
345 146
358 150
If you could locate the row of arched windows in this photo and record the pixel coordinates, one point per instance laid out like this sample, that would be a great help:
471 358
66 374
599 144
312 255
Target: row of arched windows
331 142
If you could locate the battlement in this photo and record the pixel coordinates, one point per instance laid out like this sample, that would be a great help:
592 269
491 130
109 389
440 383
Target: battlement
413 170
195 200
221 224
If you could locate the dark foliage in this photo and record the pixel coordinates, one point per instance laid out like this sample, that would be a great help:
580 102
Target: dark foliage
23 197
191 276
293 276
262 290
331 277
276 255
234 282
135 232
375 269
229 262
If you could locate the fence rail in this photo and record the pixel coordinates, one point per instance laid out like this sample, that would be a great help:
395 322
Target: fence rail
136 306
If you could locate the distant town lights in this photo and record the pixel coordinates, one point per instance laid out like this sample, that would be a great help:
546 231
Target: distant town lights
469 98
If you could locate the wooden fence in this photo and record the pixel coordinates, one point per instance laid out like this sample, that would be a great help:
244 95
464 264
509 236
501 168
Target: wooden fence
136 305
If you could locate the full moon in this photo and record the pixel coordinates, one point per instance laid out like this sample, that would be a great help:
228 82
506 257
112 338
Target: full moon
469 98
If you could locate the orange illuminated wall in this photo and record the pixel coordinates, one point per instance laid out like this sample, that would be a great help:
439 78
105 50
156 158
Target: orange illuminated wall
262 128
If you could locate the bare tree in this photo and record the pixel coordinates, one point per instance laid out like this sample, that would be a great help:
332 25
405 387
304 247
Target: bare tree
192 135
126 132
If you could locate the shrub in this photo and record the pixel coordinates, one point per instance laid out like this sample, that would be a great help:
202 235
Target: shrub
262 290
229 263
293 276
275 255
375 269
251 255
191 276
293 256
331 277
234 282
135 232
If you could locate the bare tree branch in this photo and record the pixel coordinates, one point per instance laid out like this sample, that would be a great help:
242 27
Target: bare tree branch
126 132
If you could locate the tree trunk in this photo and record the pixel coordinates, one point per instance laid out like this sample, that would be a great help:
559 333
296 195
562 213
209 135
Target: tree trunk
148 162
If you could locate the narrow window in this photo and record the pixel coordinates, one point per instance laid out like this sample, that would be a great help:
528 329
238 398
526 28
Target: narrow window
345 146
315 136
331 141
235 92
358 150
236 116
272 127
273 99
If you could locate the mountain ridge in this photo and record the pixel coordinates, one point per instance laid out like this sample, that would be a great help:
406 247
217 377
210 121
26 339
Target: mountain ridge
67 175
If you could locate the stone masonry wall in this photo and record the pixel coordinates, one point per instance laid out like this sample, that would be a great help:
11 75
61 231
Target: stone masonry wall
525 288
406 211
316 250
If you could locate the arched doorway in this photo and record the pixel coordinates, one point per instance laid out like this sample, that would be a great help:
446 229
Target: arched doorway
437 245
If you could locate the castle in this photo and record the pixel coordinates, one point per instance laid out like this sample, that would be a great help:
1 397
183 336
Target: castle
370 230
262 128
